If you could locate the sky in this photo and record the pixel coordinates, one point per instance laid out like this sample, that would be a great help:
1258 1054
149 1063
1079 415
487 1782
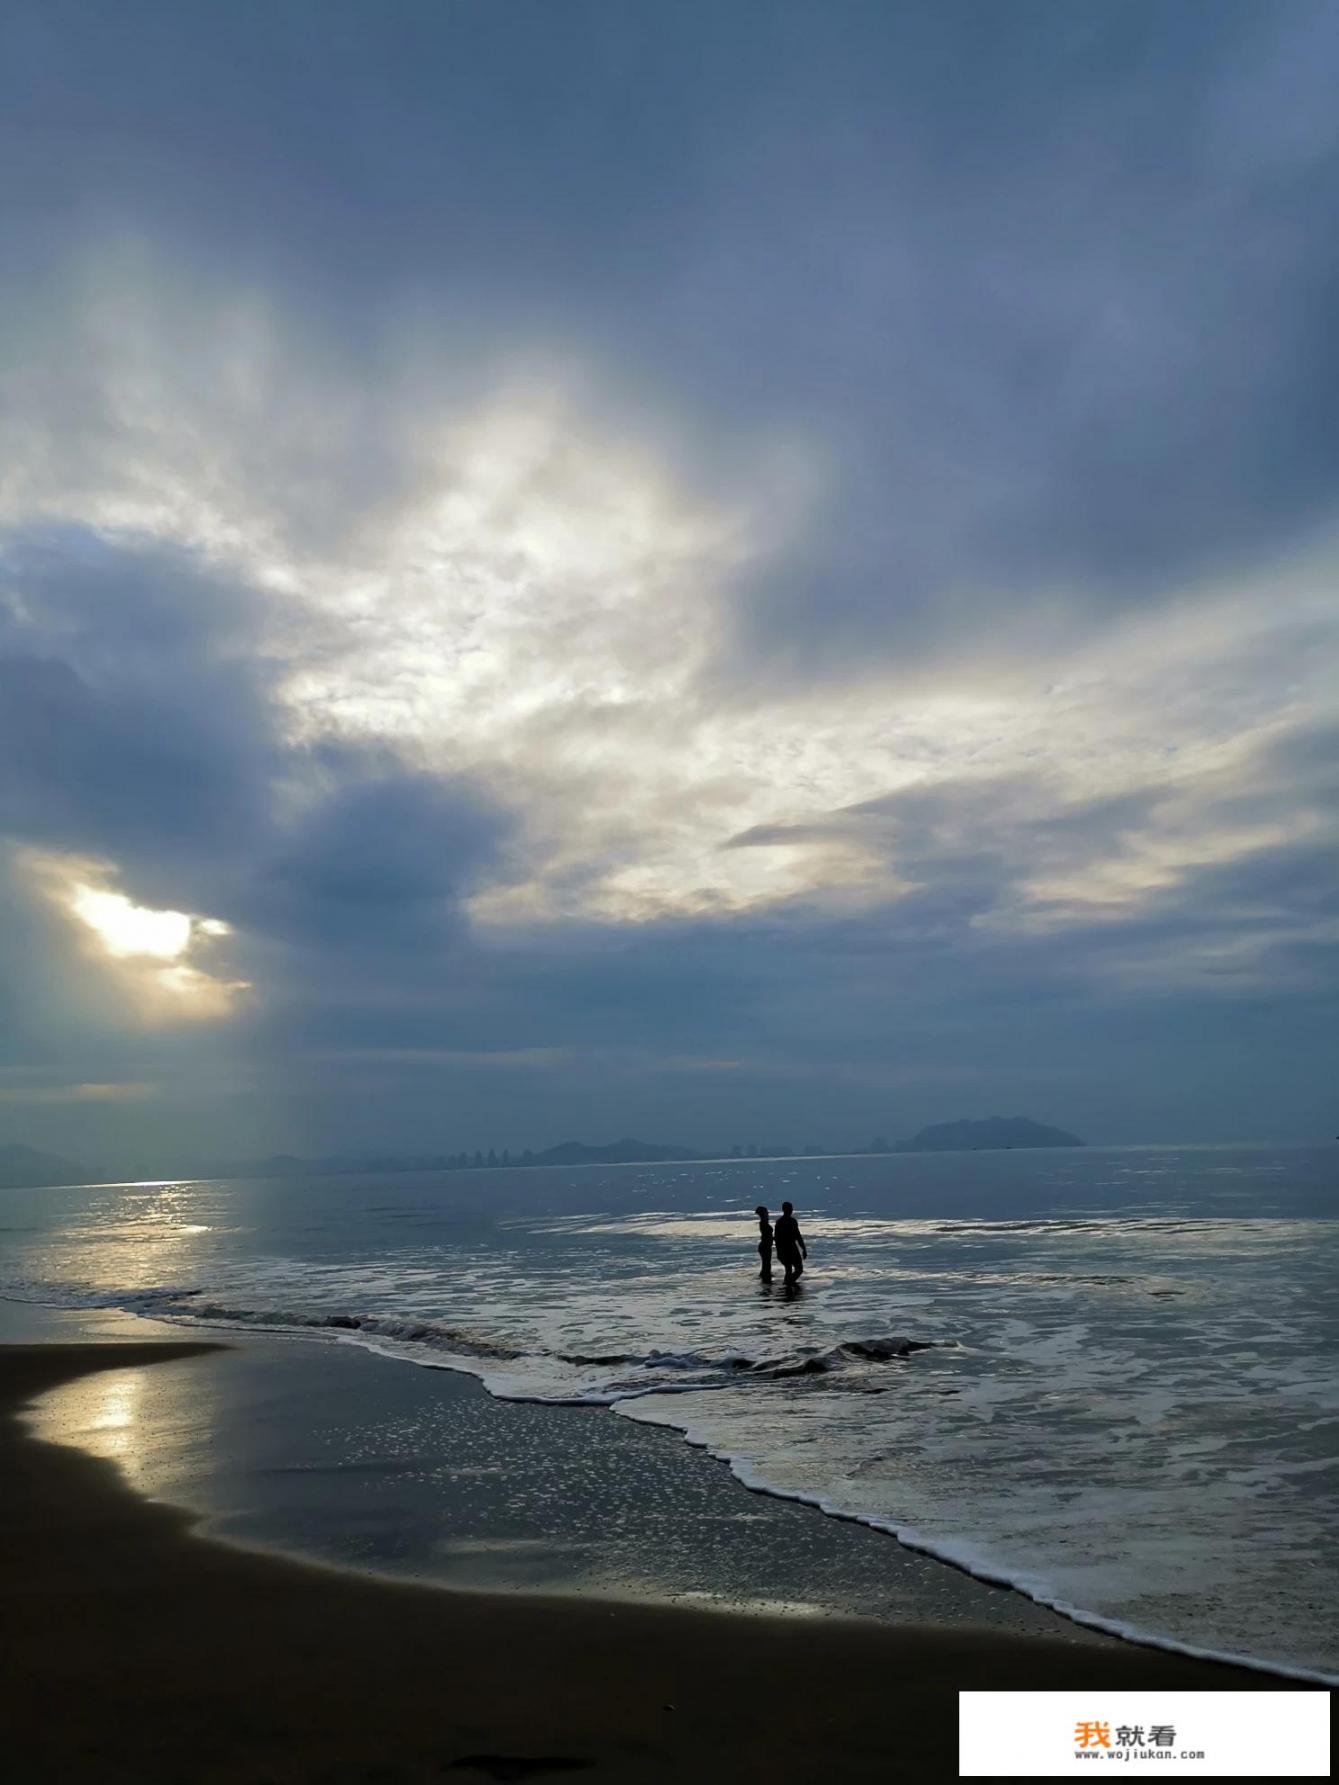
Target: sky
734 571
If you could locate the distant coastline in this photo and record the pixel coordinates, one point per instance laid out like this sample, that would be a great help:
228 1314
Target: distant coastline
23 1167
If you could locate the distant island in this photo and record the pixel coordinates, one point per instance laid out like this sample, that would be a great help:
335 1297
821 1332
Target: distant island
993 1132
22 1167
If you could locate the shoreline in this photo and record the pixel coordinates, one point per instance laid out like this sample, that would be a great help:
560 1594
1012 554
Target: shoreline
1062 1621
327 1450
150 1652
1090 1622
907 1540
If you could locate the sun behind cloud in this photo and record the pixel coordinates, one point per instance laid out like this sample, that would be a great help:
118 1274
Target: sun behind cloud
150 950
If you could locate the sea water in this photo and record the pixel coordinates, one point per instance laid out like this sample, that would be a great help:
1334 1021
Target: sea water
1105 1377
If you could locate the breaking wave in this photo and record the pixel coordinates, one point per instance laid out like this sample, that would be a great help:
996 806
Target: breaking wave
511 1372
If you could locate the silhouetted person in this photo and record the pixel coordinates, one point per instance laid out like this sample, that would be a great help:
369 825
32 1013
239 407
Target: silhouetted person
790 1246
764 1243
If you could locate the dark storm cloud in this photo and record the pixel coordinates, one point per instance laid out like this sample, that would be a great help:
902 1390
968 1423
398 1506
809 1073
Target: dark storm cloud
377 866
128 723
1053 283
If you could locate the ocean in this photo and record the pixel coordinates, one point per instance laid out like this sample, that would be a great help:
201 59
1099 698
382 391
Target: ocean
1105 1377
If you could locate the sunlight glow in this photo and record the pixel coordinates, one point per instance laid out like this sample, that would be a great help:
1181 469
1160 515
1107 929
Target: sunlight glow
153 953
127 930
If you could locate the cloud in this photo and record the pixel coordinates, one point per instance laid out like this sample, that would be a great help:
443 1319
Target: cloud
377 865
129 717
824 575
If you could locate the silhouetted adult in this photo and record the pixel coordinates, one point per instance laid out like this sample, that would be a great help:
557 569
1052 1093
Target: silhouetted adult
764 1243
790 1246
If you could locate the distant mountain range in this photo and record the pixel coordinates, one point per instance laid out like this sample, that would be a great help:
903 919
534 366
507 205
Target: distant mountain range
26 1166
994 1132
570 1152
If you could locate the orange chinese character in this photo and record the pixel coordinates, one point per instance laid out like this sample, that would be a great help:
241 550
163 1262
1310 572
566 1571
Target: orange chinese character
1093 1735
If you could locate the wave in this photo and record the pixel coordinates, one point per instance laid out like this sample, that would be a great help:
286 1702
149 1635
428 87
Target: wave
517 1373
531 1375
968 1559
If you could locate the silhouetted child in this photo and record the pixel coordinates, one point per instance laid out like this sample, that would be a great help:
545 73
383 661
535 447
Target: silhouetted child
764 1243
790 1246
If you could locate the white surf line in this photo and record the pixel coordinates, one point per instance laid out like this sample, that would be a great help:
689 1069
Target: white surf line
981 1569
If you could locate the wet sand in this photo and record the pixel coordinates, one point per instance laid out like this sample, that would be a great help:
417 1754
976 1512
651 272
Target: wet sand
332 1453
137 1650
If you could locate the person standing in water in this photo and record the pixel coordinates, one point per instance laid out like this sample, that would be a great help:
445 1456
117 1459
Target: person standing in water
790 1246
764 1243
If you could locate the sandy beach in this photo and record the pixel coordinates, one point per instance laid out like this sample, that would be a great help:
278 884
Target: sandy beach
139 1650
